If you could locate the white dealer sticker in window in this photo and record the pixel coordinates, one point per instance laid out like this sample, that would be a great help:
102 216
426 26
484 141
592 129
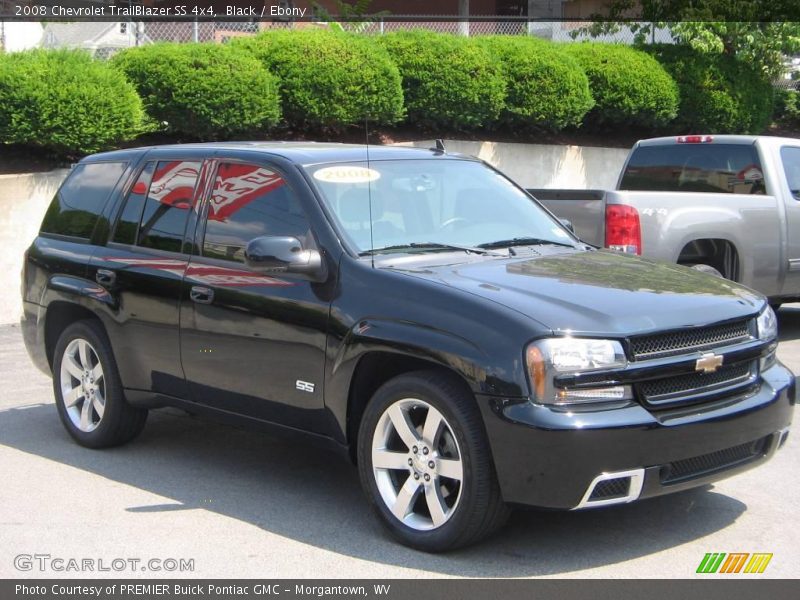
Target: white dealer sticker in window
346 174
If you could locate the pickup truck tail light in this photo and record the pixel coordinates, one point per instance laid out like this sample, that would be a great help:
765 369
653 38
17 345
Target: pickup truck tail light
695 139
623 231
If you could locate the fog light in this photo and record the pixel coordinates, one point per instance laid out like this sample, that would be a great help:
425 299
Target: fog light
617 392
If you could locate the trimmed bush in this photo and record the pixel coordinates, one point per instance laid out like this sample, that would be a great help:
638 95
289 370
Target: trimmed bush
448 81
329 79
719 94
546 88
205 91
66 102
628 85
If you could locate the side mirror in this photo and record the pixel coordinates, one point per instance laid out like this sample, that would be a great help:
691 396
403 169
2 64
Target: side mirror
568 224
283 254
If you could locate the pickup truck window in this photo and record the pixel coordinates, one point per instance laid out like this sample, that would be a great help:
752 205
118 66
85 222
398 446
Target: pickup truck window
79 202
790 156
167 206
424 205
249 201
713 168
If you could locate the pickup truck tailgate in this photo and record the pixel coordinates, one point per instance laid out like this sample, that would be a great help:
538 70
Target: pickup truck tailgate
584 208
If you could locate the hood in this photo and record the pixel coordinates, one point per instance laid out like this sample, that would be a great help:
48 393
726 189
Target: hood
598 292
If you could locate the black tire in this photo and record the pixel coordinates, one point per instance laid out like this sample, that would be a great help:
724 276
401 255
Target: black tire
120 421
704 268
480 509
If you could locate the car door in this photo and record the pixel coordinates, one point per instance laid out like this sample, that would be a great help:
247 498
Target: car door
790 171
142 265
254 344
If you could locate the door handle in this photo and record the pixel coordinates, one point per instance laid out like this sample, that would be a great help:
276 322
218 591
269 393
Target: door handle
201 295
105 277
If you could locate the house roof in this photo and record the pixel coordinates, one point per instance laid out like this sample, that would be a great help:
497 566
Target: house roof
75 34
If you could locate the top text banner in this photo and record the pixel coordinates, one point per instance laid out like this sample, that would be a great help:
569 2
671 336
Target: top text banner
396 10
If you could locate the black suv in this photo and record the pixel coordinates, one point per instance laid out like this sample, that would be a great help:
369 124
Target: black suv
414 309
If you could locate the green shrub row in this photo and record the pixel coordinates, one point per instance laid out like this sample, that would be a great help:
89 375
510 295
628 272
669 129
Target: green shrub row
66 102
629 87
329 79
718 94
311 80
206 91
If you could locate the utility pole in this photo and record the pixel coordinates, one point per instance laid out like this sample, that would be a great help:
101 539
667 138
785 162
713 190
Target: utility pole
463 13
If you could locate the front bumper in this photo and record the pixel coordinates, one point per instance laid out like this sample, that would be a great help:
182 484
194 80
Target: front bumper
550 458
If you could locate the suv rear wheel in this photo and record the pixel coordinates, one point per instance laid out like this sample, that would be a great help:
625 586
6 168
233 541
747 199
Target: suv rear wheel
425 463
88 391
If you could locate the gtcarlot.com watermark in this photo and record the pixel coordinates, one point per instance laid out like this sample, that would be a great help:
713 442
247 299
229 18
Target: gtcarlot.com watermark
46 563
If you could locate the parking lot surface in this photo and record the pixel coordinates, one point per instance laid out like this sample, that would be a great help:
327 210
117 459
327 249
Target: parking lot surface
242 504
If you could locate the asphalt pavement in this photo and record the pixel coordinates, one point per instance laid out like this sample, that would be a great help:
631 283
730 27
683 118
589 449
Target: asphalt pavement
232 503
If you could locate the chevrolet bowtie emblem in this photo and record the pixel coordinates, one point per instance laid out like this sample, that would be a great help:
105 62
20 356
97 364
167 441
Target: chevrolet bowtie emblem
709 363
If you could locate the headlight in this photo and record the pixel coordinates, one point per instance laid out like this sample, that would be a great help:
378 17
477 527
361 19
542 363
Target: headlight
567 355
767 324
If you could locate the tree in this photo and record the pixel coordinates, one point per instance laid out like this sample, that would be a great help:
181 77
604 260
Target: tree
759 32
354 13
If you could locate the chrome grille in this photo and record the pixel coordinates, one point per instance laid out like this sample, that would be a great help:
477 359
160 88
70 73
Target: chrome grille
706 464
682 388
685 341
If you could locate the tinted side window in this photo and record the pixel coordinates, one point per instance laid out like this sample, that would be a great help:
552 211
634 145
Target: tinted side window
249 201
80 200
717 168
128 223
790 156
167 206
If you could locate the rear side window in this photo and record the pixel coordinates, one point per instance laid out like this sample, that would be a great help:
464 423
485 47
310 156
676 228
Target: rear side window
713 168
157 207
128 224
80 200
250 201
790 156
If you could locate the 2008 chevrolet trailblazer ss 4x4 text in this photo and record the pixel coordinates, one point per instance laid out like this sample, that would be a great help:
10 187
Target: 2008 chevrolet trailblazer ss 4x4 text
413 308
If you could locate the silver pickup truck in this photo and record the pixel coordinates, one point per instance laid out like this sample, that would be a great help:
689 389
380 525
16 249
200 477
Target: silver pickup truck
728 205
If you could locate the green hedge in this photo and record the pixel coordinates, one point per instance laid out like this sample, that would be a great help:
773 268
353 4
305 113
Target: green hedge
205 91
628 85
66 102
448 81
546 88
719 94
329 79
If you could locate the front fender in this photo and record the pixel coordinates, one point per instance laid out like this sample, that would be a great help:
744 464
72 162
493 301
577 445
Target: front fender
483 371
413 339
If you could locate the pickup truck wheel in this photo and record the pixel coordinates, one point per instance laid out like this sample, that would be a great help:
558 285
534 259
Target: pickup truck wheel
704 268
425 464
88 392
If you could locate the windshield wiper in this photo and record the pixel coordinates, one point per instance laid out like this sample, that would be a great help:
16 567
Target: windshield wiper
432 246
524 241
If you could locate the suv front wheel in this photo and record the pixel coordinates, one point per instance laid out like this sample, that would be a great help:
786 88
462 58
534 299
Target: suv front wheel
88 392
425 463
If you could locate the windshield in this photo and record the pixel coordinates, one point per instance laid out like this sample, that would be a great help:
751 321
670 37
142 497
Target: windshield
425 205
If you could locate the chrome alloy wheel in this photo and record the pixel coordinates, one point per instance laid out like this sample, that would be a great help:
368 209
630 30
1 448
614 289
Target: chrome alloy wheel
417 464
82 385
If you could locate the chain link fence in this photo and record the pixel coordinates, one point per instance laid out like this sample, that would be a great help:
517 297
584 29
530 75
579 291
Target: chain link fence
559 31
